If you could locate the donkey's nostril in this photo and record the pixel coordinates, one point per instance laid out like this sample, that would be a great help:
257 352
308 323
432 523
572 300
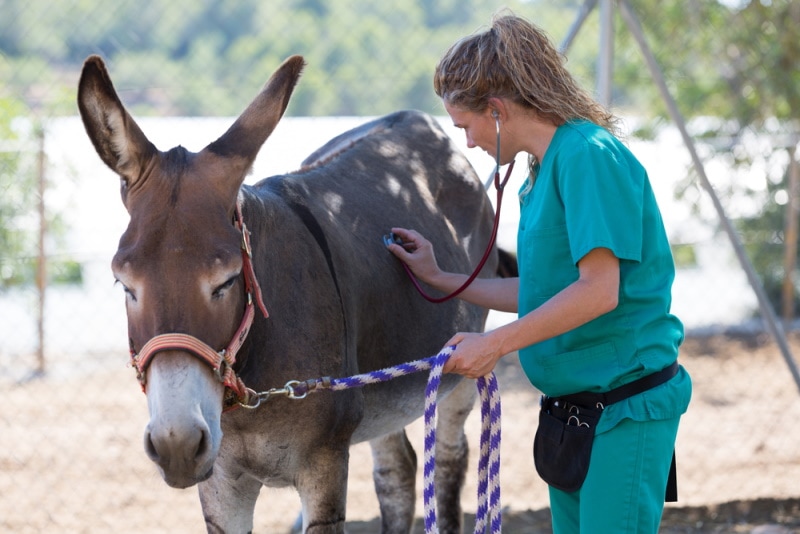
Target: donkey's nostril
149 447
203 445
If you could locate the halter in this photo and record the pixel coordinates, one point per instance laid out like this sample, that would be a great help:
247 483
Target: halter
222 361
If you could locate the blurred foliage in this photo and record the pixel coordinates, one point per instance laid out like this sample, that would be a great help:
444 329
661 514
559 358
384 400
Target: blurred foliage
204 58
208 58
684 255
20 149
730 59
740 65
17 190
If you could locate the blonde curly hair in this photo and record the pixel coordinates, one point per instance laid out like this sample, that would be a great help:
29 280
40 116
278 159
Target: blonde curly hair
514 59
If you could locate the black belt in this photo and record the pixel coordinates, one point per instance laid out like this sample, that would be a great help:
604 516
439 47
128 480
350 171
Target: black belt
601 400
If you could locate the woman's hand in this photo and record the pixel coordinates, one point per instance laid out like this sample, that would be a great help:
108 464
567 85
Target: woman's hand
417 253
475 355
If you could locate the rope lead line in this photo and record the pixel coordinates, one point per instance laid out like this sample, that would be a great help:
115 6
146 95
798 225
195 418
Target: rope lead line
489 460
488 511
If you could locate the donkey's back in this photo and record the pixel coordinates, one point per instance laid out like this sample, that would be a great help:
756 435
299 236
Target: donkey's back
398 170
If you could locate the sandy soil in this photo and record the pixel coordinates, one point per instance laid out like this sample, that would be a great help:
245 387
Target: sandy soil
71 458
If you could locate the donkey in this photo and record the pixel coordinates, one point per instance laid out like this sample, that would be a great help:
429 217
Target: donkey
338 304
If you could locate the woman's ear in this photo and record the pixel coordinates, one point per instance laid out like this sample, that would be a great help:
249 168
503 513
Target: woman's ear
497 107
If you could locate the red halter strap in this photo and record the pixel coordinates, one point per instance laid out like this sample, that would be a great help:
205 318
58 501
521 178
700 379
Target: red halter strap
221 362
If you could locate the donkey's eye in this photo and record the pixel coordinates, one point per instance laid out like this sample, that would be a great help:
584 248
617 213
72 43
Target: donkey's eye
128 293
218 292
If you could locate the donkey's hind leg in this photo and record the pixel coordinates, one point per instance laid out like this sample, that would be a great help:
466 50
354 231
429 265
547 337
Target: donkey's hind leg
394 474
452 455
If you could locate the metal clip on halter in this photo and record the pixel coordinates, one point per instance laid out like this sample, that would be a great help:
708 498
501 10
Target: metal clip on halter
293 389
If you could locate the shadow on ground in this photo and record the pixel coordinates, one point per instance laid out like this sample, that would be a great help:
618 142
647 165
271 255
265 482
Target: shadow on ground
761 516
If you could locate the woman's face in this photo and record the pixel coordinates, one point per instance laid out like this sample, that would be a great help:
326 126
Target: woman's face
479 127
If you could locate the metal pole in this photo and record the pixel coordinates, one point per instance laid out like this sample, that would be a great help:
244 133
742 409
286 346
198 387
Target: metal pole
790 237
605 60
41 267
766 308
586 8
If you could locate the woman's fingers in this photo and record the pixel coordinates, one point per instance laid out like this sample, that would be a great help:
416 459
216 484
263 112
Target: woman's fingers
472 356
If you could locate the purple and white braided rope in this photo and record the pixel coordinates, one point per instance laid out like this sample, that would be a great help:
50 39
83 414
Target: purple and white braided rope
429 466
488 512
489 459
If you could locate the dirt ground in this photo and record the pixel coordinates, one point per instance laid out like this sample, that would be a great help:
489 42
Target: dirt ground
71 458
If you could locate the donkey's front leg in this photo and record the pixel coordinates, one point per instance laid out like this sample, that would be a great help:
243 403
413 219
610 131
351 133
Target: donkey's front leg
322 485
228 502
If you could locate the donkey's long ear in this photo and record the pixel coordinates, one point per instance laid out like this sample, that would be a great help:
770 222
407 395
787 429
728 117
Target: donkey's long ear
117 138
241 143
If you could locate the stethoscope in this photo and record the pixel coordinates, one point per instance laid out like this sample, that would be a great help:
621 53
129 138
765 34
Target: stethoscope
499 186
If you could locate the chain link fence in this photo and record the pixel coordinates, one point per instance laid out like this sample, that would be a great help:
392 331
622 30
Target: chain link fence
71 458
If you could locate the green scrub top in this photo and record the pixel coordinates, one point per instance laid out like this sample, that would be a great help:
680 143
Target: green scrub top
588 192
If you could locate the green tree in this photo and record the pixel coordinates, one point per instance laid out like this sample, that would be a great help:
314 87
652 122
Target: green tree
20 152
17 190
748 78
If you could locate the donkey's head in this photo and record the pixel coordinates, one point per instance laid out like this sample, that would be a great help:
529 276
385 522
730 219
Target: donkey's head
180 259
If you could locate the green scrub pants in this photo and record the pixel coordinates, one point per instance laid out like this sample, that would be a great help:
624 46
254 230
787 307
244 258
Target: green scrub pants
624 488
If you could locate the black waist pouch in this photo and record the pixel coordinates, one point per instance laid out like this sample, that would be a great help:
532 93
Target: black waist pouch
562 446
563 443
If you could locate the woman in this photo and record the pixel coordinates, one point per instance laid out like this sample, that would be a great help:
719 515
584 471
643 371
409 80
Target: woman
595 269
